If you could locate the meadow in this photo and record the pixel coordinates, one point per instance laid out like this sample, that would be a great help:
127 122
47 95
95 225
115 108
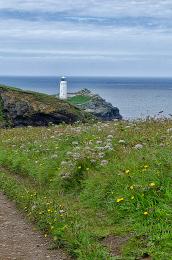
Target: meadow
99 190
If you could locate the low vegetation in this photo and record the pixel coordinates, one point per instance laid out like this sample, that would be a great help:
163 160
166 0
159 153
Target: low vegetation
88 186
79 99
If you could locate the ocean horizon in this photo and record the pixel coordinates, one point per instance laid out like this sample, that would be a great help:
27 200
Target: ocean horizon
136 97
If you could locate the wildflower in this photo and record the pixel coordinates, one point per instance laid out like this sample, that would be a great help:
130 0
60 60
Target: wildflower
121 142
119 200
104 162
54 156
132 187
132 197
146 213
127 171
169 130
45 235
49 210
75 143
138 146
146 166
152 184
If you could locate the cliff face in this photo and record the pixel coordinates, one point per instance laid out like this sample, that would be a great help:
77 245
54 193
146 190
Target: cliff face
22 108
96 105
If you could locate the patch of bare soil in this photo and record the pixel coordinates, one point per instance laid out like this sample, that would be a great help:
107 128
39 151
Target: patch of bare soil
19 240
115 243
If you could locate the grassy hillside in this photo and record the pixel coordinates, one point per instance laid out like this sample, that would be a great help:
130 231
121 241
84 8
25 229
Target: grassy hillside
102 191
23 108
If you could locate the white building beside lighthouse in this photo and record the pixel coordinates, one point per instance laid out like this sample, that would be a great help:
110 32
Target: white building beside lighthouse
63 88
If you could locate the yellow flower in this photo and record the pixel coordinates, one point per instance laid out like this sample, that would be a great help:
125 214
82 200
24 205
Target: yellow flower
132 197
127 171
49 210
145 213
132 187
119 200
146 166
152 184
45 235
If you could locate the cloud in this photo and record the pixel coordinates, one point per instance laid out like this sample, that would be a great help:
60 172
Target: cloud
109 32
93 7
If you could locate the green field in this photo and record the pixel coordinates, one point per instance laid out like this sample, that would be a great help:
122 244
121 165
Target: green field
85 185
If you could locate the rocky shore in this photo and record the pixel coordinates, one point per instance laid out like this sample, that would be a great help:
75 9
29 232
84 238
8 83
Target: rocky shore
95 105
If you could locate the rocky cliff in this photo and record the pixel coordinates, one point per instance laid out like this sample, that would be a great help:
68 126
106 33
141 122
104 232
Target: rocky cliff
96 105
24 108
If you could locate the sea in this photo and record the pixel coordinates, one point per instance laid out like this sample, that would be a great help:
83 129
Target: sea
135 97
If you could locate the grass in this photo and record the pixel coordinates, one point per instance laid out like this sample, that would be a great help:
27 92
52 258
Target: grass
79 100
85 182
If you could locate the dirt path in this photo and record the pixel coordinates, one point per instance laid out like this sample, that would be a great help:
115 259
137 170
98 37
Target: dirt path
18 240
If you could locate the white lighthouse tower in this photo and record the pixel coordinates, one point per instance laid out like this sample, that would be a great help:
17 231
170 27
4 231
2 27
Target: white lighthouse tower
63 88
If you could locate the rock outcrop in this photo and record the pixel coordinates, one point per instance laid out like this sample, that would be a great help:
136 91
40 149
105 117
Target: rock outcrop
97 106
24 108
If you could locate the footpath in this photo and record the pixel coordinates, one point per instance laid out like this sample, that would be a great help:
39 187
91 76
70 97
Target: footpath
18 238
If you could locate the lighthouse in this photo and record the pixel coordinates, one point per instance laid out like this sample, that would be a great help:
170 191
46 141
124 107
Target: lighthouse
63 88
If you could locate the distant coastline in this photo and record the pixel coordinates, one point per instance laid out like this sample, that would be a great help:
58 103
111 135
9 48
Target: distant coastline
136 97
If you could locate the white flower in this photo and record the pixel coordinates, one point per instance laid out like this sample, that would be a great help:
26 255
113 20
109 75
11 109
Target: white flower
121 142
138 146
101 155
99 142
69 153
54 156
63 163
75 143
110 136
169 130
104 162
108 147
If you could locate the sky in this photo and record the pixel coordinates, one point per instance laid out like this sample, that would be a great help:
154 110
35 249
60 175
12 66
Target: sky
86 37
